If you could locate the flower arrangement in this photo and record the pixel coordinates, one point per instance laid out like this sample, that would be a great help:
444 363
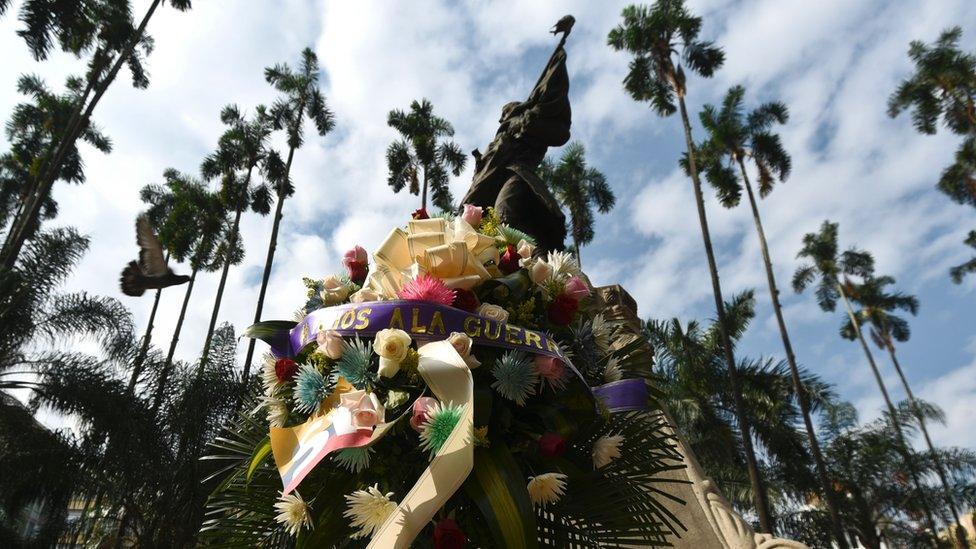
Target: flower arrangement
353 385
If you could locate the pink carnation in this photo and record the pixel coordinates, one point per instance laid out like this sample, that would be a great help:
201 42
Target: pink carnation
427 288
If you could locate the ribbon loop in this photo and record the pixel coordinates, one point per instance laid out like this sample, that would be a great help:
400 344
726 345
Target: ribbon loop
449 379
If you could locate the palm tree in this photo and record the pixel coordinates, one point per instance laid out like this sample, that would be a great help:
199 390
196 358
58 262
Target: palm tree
877 308
301 98
959 271
943 86
34 127
105 29
241 149
191 221
868 466
691 365
827 267
578 188
735 137
421 156
662 39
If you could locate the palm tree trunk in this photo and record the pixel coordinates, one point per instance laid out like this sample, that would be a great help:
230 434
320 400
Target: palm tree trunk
268 262
168 365
939 467
423 193
144 349
902 442
760 499
146 338
579 260
830 496
223 283
75 126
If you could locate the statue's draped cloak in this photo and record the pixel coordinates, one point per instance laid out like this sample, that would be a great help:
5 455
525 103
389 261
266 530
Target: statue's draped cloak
505 176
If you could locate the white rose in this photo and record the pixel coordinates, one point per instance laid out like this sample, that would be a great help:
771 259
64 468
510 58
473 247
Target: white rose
462 344
392 344
364 295
335 290
540 271
525 249
493 312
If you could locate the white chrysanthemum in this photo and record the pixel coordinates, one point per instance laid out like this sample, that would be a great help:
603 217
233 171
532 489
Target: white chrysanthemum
269 379
606 449
546 488
277 410
601 332
368 510
563 265
293 513
612 371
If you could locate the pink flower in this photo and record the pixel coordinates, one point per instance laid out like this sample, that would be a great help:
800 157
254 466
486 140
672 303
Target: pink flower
420 407
427 288
576 288
330 343
550 369
472 214
365 409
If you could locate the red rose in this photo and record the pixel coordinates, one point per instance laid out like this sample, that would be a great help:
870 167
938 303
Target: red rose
448 535
551 445
509 262
465 300
285 369
562 309
420 213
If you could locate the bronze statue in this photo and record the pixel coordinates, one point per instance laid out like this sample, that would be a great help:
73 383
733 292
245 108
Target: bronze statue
505 175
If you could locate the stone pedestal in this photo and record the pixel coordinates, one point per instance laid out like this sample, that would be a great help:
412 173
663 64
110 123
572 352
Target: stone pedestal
707 516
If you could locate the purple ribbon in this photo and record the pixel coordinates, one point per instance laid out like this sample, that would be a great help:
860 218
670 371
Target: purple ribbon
624 395
423 320
426 321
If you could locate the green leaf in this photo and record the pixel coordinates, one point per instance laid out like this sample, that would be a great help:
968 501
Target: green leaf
497 486
272 332
260 454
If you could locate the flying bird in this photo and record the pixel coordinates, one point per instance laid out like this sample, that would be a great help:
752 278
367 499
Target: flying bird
151 271
564 25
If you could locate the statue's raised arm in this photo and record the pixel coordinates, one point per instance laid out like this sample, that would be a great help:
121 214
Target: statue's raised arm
505 175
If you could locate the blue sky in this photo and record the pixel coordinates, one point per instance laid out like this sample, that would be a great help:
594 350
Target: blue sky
833 62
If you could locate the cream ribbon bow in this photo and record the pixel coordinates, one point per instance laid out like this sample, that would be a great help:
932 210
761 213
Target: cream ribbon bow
451 251
449 378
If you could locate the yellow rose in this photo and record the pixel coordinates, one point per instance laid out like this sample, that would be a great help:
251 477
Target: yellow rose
493 312
364 295
391 344
335 290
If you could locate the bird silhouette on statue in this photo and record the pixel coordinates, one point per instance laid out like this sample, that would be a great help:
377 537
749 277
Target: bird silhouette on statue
151 271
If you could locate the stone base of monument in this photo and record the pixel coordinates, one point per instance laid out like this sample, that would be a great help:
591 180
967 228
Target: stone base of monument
708 518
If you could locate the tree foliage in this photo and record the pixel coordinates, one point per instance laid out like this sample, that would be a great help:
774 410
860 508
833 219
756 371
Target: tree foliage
421 158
